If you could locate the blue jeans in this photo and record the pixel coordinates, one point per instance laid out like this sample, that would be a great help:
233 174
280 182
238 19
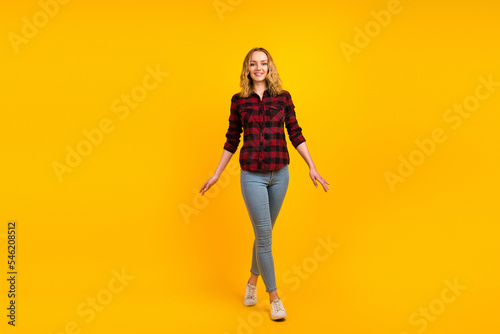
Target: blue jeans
263 193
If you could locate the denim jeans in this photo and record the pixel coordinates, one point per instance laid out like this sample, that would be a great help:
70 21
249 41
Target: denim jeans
263 193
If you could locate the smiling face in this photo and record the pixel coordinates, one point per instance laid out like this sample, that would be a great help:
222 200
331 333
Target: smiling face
258 66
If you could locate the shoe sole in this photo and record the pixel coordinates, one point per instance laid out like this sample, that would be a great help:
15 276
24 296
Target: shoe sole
278 318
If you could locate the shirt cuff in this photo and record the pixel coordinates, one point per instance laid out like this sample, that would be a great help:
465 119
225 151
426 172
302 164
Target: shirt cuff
230 148
298 141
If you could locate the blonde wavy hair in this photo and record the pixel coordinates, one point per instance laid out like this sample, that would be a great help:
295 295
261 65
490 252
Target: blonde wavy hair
273 80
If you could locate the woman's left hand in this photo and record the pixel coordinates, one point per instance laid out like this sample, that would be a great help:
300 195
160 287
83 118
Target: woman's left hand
315 177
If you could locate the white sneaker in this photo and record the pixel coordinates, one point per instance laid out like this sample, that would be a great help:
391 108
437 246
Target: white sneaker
277 310
251 295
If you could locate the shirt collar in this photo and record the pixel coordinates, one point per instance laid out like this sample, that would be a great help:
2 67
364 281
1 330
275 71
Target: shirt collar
264 93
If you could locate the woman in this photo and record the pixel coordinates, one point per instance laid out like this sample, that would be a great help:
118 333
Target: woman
261 109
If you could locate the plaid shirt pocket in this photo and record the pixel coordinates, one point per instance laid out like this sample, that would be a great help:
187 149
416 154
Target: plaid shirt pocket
277 113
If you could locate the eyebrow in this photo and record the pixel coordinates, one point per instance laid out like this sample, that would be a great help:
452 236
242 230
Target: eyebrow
253 61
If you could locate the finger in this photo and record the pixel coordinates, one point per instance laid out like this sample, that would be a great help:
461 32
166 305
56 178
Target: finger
203 187
324 185
207 187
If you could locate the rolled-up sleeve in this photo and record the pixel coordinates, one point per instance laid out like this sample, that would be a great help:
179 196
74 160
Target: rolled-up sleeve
233 133
292 126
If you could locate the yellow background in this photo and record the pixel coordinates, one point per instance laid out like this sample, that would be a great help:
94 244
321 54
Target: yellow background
122 207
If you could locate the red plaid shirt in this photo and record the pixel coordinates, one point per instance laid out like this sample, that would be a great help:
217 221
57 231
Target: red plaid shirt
264 143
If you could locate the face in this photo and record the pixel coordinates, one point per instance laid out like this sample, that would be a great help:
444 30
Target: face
258 66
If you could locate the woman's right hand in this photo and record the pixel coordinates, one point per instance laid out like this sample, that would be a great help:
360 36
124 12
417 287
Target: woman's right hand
209 183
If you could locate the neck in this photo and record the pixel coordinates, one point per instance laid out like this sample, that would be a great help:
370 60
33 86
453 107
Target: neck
259 87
